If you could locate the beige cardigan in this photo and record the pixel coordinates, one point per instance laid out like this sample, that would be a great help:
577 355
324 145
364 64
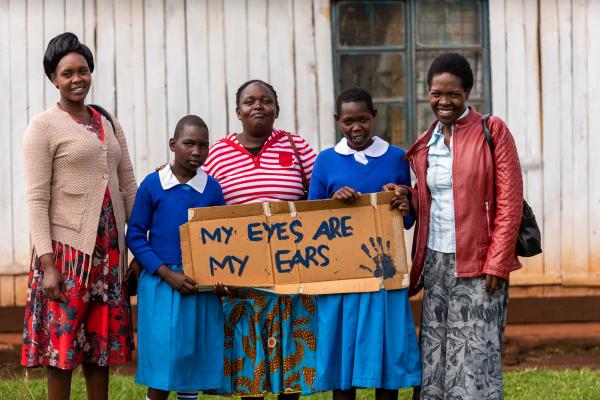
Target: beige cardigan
67 169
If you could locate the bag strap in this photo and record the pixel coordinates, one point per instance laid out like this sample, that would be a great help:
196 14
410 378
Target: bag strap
488 137
297 154
486 132
105 114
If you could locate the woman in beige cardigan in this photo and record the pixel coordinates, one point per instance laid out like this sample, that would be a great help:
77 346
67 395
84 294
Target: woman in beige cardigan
80 190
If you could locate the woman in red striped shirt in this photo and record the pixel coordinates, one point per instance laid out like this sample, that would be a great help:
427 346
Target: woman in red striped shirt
270 340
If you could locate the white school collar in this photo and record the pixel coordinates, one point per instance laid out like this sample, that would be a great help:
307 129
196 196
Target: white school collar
376 149
168 179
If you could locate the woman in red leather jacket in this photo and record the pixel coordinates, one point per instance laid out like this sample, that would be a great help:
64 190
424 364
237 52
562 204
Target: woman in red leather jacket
468 204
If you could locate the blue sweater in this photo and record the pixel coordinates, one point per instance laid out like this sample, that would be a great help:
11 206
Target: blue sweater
153 229
332 171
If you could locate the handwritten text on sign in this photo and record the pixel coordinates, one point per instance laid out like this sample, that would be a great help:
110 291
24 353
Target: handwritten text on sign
285 262
278 246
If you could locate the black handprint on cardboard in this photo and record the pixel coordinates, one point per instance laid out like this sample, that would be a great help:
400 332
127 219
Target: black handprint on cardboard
382 260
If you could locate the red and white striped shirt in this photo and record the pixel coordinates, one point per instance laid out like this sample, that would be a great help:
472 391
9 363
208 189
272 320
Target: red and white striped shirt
272 175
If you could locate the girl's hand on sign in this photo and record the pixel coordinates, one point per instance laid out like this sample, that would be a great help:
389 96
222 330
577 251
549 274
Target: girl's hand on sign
177 280
346 195
221 290
400 200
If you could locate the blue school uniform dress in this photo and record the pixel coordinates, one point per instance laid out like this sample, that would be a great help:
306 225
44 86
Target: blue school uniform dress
180 337
364 339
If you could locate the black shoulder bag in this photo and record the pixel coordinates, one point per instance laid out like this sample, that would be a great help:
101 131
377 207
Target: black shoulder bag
104 113
529 240
134 269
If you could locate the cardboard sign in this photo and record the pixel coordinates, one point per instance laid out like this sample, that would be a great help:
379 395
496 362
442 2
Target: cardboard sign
311 247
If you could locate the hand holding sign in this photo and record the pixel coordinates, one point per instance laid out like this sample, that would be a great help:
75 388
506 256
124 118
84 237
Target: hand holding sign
400 201
221 290
346 195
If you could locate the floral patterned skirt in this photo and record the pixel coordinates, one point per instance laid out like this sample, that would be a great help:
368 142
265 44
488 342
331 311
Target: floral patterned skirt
461 334
93 324
270 344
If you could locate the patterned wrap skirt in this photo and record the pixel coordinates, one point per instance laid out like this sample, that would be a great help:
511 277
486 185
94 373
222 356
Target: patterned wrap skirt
270 344
462 328
93 324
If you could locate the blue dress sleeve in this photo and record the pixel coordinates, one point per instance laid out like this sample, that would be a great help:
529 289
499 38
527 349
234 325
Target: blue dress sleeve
219 198
137 229
318 188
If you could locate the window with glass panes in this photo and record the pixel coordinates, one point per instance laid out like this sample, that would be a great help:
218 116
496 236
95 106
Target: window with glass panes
386 47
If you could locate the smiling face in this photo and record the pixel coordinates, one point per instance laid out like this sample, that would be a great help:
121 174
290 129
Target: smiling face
190 146
257 109
447 97
356 123
73 77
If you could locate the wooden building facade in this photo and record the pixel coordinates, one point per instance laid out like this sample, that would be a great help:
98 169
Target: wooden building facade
157 60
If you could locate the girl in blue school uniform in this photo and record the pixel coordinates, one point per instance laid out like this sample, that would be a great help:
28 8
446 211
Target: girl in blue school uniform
364 339
180 331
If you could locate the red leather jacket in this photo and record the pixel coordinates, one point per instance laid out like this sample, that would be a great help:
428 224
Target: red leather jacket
488 200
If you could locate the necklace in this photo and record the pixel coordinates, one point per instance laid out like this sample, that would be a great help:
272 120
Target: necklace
95 125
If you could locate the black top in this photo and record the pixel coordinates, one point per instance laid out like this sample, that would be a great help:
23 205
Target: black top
254 150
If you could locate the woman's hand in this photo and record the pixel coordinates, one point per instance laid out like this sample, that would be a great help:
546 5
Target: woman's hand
53 282
346 195
177 280
400 200
221 290
493 283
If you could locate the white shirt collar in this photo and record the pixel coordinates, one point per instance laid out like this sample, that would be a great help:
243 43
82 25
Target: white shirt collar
168 179
437 132
376 149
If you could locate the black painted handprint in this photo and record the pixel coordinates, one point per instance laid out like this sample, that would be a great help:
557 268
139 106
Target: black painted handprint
384 263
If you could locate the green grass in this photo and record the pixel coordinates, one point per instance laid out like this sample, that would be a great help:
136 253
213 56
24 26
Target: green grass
531 384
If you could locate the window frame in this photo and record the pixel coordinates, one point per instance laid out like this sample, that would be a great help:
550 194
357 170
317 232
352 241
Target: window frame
410 101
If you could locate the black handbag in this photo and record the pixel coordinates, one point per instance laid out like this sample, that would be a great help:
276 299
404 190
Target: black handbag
529 239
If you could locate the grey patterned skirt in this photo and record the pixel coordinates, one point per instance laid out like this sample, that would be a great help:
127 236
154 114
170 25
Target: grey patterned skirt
461 334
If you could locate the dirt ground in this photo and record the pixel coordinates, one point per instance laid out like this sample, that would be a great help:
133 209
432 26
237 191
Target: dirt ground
553 346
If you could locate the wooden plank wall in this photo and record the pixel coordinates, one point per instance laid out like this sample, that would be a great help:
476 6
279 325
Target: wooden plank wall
157 60
160 59
543 67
